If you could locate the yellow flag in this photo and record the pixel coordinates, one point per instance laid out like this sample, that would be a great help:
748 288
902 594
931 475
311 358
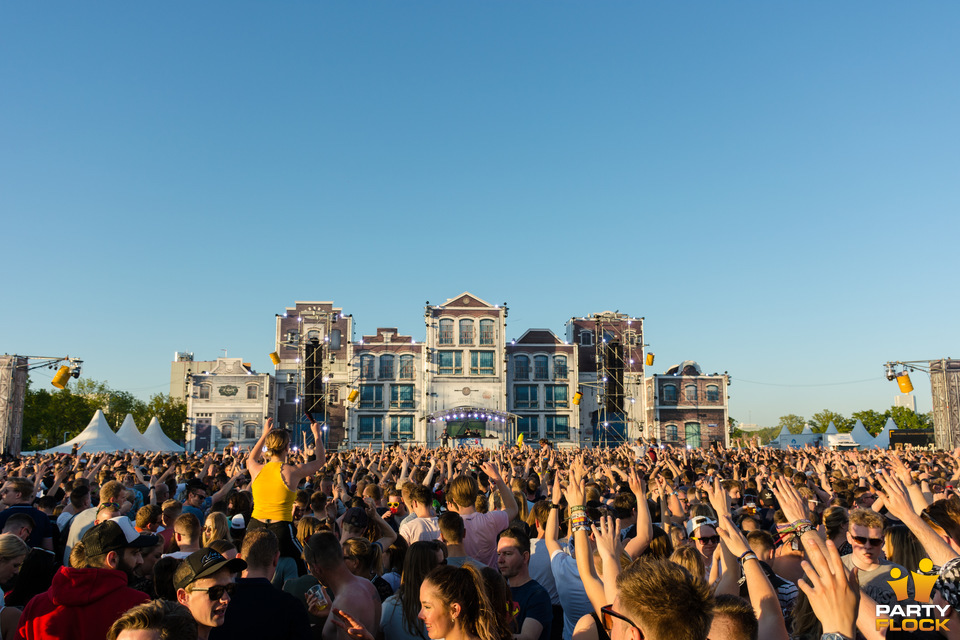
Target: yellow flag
520 440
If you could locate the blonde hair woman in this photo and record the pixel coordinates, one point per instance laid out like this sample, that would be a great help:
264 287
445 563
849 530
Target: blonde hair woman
274 483
13 550
216 527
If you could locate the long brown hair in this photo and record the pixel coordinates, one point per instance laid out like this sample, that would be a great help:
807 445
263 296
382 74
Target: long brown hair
419 560
466 587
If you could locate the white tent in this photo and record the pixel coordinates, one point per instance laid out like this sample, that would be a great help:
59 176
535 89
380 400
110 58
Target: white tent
807 430
158 440
98 437
861 435
775 441
882 441
831 429
130 434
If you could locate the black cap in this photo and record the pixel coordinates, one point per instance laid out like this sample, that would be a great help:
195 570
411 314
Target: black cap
202 564
356 517
116 534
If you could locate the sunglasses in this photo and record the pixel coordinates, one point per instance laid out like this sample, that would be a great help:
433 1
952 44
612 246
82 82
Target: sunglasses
706 539
608 614
113 506
215 593
393 504
873 542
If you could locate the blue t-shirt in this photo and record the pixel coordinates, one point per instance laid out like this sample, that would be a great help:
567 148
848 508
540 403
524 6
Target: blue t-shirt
533 601
41 523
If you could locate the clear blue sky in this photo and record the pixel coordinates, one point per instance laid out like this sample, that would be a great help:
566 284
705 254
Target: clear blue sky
773 186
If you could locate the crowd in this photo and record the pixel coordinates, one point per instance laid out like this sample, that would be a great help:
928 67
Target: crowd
524 542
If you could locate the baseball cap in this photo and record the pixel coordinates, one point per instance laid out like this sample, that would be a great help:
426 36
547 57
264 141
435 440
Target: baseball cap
202 564
237 522
696 522
116 534
356 517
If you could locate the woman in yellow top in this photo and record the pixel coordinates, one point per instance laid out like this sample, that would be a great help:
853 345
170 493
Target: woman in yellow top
274 484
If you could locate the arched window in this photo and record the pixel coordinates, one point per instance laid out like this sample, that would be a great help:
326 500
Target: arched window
671 433
692 433
669 393
486 332
521 368
586 338
226 430
713 393
540 367
253 391
386 367
446 332
406 367
313 334
290 394
250 430
690 392
366 367
466 331
204 391
559 367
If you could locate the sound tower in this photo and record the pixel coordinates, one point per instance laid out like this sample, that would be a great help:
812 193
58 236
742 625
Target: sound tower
613 364
313 379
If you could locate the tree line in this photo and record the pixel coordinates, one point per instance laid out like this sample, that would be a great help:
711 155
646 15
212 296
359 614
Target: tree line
873 421
51 418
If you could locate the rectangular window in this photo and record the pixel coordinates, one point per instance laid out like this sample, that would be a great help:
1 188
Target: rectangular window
481 363
370 428
466 332
558 427
713 393
401 427
525 396
555 395
386 367
406 367
529 426
366 367
486 332
204 392
401 396
371 396
560 368
539 367
521 368
446 332
450 363
252 392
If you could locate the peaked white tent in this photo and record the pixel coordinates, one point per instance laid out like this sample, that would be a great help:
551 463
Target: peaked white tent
158 440
882 441
131 435
98 437
807 431
831 429
861 435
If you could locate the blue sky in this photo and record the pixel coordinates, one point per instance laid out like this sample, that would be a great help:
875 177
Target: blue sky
773 186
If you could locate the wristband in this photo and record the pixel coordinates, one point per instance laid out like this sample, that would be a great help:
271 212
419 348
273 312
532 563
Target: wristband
750 555
577 507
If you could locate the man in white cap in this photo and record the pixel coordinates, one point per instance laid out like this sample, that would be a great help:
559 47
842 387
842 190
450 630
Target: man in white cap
703 531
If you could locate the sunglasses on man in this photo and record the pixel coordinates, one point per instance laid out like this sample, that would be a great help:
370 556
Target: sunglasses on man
873 542
216 592
609 614
706 539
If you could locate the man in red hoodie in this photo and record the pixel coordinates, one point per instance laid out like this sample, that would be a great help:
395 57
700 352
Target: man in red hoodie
83 602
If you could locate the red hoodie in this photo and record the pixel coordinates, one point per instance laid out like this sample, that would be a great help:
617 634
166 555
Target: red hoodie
80 604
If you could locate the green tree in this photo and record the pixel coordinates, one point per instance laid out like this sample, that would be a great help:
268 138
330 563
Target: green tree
735 431
906 418
792 423
171 413
50 419
767 434
821 420
872 420
119 404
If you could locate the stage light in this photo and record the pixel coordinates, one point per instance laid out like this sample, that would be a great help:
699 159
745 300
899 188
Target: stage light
891 374
650 356
354 394
61 378
275 358
576 397
904 381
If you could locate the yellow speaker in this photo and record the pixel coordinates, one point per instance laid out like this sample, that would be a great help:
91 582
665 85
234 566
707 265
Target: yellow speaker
354 394
903 380
650 359
576 397
62 377
275 358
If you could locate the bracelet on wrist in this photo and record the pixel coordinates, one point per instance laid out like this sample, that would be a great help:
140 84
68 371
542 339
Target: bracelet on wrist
748 556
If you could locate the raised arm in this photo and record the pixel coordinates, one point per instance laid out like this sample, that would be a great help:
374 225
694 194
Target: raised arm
254 465
506 495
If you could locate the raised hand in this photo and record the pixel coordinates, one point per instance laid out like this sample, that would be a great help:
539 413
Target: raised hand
794 507
833 592
351 625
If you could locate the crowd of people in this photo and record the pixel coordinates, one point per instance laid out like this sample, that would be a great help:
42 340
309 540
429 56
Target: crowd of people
516 543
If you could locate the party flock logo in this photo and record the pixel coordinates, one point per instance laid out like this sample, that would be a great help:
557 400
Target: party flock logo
919 614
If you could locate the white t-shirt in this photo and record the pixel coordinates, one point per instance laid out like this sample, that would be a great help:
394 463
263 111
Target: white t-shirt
540 569
418 529
573 597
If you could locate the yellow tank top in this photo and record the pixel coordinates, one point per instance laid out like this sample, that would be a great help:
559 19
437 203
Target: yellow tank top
272 500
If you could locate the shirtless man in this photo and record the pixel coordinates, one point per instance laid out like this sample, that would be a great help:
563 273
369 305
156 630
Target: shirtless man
355 596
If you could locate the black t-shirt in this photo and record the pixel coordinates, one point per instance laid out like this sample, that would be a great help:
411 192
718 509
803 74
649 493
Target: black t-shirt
257 609
533 601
